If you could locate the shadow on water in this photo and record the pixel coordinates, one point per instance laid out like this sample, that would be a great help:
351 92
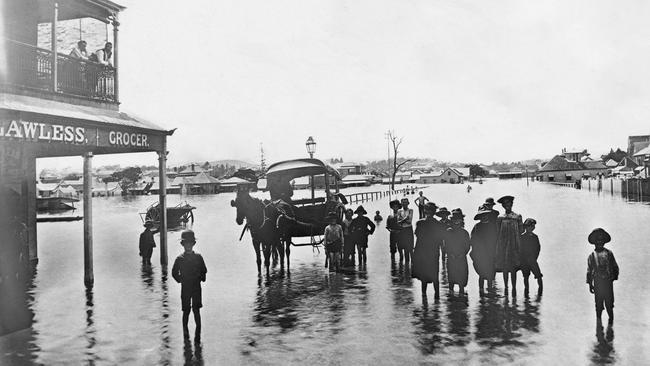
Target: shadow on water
603 349
309 304
501 321
165 339
428 328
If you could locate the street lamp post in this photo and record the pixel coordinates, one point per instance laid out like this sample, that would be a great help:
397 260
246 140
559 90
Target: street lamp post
311 148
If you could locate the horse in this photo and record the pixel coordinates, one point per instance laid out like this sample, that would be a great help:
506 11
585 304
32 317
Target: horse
261 219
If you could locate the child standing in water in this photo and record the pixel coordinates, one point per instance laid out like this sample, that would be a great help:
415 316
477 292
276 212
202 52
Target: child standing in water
189 270
457 241
333 241
394 228
529 253
360 228
602 271
348 243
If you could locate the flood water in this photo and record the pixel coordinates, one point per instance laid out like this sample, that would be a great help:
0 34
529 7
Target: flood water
311 316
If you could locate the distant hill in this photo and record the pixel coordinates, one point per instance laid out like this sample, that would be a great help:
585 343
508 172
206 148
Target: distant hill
235 163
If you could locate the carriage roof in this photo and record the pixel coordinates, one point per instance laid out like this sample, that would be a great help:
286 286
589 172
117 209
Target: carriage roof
290 169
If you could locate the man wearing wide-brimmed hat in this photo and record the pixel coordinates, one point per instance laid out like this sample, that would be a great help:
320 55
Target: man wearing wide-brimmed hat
430 233
147 243
602 271
483 241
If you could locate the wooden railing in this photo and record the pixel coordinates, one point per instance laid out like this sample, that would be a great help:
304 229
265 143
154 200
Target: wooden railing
370 196
31 66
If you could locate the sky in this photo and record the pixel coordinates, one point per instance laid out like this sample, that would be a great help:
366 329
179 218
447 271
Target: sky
468 81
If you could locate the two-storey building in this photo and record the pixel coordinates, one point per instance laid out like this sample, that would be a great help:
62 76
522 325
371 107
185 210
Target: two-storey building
51 105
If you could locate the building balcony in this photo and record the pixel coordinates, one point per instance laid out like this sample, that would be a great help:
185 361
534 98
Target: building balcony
29 68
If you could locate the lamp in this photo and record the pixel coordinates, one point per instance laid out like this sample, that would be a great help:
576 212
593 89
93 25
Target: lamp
311 146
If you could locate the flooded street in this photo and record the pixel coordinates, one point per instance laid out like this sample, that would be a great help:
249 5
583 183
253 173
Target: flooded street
311 316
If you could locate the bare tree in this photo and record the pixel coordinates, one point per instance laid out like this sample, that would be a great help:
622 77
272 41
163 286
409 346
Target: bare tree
396 142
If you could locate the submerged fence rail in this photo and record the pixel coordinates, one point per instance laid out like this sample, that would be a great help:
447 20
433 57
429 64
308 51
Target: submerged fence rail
370 196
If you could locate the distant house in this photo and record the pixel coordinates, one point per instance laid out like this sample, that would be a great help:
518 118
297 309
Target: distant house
570 166
448 175
626 167
356 180
611 163
637 143
77 185
233 184
640 156
201 183
515 174
101 189
350 168
191 170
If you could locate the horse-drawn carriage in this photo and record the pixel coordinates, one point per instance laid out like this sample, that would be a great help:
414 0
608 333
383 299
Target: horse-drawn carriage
285 217
176 215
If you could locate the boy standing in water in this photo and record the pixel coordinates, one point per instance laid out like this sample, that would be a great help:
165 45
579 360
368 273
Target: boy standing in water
529 252
147 243
602 271
394 227
333 238
189 270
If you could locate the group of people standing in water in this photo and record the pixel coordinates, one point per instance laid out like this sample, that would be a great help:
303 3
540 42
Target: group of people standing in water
497 243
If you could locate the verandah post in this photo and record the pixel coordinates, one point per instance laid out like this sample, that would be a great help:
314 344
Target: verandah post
162 202
89 277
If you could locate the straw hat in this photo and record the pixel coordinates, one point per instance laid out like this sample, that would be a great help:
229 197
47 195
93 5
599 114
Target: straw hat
360 210
482 211
443 212
505 199
457 213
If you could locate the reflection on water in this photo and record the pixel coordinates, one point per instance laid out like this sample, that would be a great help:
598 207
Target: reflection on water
376 315
603 350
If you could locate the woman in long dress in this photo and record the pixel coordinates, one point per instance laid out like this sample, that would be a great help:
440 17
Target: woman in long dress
457 244
483 242
509 229
429 233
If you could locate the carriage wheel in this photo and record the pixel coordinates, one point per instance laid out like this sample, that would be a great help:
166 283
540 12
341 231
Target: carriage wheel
154 215
187 216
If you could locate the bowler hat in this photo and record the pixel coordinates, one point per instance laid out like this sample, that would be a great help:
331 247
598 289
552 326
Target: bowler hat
360 210
430 207
148 223
530 222
505 199
457 213
599 236
489 201
443 212
188 235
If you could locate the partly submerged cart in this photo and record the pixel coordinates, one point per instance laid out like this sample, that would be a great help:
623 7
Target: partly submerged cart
177 215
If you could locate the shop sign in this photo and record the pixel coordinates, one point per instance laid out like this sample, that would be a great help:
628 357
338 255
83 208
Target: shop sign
68 134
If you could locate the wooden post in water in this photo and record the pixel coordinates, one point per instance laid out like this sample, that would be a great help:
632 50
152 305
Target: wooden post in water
162 202
89 277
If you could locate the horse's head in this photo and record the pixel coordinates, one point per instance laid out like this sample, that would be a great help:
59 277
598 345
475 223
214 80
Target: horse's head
246 207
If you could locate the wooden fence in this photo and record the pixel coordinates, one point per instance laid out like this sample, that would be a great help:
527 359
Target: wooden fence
370 196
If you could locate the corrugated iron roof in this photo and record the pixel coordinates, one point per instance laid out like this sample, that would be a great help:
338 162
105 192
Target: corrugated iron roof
54 108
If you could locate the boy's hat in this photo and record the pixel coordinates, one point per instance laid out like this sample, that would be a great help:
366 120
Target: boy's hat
599 236
148 223
394 203
505 199
530 222
331 216
360 210
443 212
188 235
430 207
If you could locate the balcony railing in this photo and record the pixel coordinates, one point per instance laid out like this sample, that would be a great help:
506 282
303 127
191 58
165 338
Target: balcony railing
32 67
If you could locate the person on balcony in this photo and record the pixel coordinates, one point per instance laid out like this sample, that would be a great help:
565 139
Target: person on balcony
103 55
80 52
